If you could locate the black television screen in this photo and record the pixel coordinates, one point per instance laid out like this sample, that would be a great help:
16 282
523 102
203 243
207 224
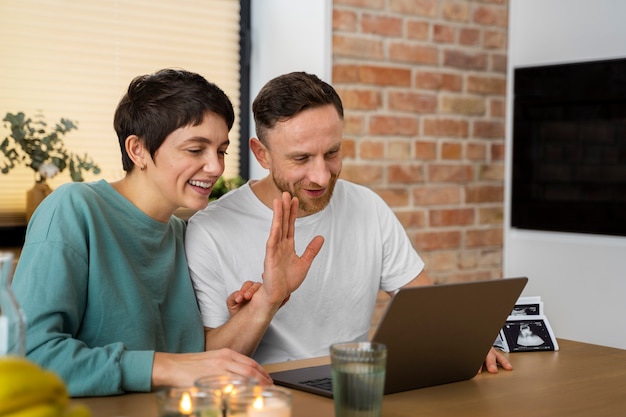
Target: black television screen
569 148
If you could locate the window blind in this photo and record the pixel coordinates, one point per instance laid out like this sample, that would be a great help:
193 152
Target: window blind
75 59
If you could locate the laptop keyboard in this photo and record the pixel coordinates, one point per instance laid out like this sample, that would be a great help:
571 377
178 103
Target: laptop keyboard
321 383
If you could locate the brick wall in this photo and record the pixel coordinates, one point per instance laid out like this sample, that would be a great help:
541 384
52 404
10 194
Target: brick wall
423 84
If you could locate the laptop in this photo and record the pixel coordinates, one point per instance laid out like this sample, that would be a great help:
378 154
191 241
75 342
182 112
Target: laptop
434 335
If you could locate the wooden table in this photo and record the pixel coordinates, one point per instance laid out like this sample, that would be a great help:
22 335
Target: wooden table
579 380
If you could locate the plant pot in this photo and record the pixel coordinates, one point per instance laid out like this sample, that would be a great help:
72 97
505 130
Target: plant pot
34 196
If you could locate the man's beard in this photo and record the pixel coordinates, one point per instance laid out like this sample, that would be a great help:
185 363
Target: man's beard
308 205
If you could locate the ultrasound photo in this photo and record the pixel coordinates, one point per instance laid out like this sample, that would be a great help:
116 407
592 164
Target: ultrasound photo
527 335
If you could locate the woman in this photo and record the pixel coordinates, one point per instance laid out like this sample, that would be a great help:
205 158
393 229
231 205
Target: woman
102 277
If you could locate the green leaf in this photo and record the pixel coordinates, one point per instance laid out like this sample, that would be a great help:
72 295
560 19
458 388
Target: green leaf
31 143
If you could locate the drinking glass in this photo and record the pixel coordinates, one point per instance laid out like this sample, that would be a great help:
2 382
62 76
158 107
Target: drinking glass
358 373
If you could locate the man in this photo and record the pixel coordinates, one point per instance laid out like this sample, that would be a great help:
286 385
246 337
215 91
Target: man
299 122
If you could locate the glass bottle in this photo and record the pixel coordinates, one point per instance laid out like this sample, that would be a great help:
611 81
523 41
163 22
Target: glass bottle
12 325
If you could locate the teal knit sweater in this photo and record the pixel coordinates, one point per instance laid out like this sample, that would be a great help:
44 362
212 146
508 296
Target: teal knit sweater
103 286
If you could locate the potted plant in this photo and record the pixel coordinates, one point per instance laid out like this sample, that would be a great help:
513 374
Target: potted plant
31 142
224 185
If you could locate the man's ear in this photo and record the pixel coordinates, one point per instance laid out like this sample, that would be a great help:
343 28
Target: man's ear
261 153
136 151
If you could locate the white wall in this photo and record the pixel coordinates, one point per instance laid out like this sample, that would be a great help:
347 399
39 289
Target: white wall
288 35
580 278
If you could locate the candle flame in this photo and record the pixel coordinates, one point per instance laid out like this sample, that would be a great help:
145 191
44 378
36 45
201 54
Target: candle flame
185 404
258 403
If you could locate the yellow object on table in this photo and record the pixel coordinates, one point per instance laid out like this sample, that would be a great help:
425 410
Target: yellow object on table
27 390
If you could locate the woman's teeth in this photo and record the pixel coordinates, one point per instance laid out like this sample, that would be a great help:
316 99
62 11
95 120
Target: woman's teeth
201 184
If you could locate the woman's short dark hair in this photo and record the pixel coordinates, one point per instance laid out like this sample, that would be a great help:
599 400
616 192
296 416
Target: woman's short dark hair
287 95
157 104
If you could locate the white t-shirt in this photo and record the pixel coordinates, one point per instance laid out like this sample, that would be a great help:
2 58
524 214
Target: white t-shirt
365 249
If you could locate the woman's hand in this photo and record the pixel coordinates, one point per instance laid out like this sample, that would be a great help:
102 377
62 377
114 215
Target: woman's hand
240 297
183 369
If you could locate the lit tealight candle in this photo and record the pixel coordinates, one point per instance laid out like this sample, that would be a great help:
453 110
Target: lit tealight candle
270 402
225 384
186 402
185 406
